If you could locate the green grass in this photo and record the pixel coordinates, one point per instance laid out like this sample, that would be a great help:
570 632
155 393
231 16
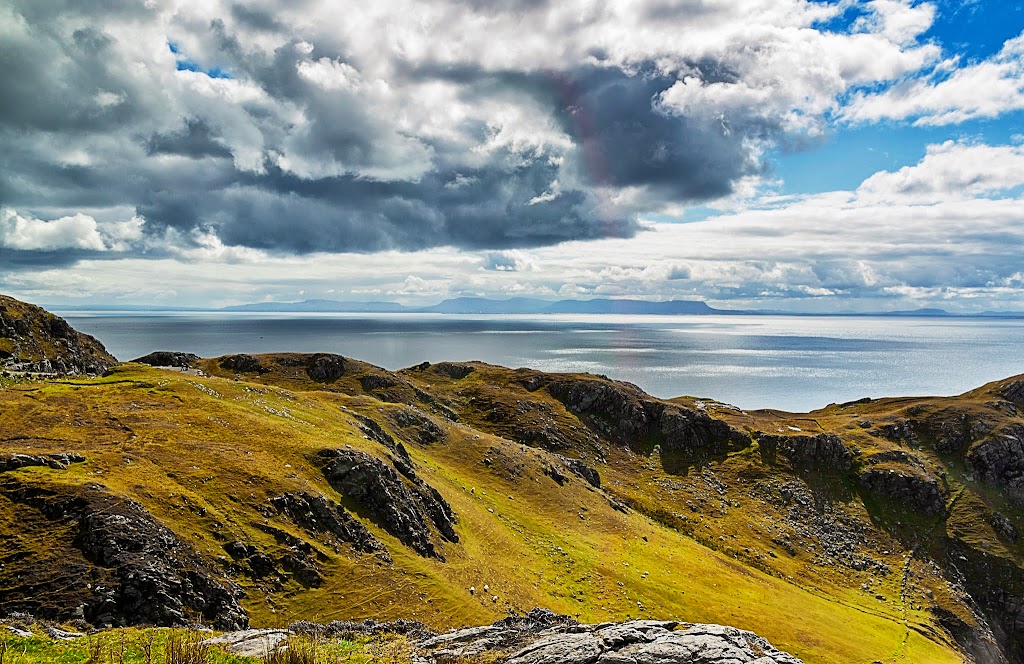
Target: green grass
204 454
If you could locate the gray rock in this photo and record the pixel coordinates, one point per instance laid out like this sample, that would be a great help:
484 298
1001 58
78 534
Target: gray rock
627 415
250 642
1014 391
61 635
634 642
56 461
139 571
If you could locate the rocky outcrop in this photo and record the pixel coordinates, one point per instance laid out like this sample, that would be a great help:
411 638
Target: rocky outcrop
633 642
999 461
325 519
55 461
165 358
326 368
590 475
33 340
454 370
625 414
243 363
403 504
136 570
421 427
1013 391
904 486
823 452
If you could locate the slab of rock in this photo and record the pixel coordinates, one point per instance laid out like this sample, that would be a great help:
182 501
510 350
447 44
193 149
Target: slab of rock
633 642
999 460
326 367
250 642
61 635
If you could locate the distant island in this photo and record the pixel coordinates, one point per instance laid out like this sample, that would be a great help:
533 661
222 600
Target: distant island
524 305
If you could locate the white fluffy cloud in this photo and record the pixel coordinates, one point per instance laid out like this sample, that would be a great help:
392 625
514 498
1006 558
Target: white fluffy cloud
75 232
952 94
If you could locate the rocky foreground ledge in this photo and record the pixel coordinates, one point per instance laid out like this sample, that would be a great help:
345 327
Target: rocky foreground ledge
542 637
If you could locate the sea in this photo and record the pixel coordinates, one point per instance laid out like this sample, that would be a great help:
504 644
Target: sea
795 363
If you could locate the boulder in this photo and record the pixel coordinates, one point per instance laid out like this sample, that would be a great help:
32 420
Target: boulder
250 642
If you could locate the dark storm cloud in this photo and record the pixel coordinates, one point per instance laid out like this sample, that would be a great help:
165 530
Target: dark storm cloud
195 140
302 152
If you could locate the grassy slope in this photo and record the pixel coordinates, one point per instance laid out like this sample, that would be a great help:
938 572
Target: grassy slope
179 444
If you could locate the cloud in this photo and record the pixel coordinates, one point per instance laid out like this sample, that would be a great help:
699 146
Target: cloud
951 94
288 128
950 170
77 232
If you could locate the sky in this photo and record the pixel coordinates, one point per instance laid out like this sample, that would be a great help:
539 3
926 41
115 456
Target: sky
794 155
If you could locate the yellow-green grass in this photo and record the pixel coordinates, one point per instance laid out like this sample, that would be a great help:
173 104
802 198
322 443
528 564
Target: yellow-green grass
157 646
201 454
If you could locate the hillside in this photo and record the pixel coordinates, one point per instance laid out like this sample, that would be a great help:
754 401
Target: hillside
34 340
264 489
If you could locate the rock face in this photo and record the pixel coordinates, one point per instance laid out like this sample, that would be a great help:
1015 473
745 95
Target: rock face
625 414
904 486
138 571
633 642
999 460
34 340
403 504
165 358
824 452
1014 392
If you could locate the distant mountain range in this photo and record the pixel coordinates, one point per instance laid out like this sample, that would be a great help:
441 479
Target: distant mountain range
482 305
521 305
